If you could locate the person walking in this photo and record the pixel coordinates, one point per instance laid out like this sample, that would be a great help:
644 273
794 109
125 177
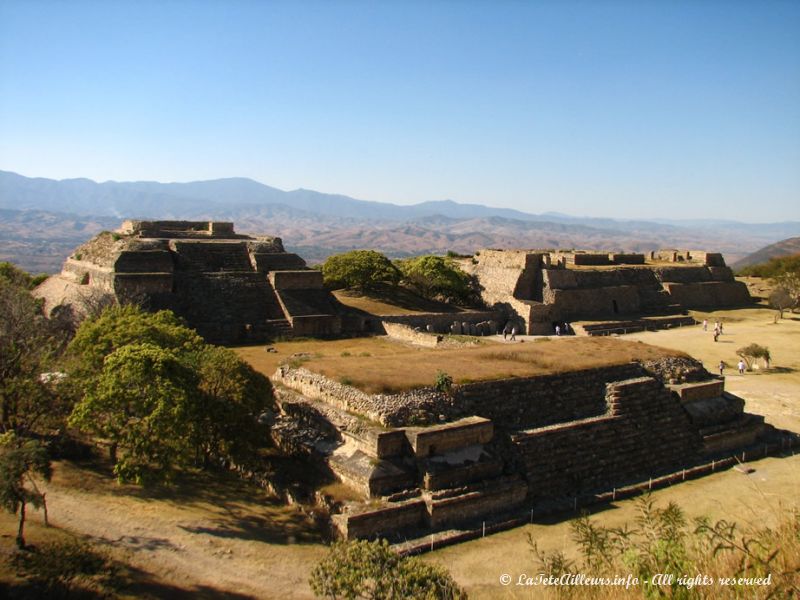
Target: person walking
741 367
513 334
721 368
705 324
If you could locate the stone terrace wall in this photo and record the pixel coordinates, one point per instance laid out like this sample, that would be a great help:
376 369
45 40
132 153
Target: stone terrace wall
526 402
517 403
441 322
645 432
406 334
711 294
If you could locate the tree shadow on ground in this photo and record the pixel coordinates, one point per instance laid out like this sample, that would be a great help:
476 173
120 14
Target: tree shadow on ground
273 529
401 297
141 584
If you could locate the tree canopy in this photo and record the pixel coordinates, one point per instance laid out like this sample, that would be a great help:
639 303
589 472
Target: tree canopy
362 269
372 570
16 276
774 267
29 346
436 278
161 397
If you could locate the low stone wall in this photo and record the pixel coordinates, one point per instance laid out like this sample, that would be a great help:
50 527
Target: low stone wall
144 261
442 438
377 522
296 280
436 478
441 322
495 497
691 392
519 402
626 258
407 334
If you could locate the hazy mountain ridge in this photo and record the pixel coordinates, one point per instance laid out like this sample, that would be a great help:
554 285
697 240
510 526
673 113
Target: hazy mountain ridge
785 247
44 216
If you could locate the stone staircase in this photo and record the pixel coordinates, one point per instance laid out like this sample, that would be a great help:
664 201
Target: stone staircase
719 416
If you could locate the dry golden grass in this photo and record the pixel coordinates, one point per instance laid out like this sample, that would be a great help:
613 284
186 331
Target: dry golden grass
377 365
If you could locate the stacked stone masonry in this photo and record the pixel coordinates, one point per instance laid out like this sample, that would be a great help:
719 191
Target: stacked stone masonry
232 288
540 288
491 447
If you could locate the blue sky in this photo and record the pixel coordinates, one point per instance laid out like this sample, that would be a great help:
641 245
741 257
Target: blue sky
617 109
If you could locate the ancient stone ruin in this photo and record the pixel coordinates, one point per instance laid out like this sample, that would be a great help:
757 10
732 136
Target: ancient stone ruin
538 288
232 288
431 461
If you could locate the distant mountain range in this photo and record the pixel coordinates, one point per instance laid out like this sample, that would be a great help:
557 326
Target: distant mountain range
44 219
782 248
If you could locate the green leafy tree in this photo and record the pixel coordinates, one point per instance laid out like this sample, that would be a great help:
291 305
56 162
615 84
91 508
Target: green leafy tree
161 397
29 346
436 277
119 326
141 402
20 462
16 276
774 267
362 269
372 570
231 398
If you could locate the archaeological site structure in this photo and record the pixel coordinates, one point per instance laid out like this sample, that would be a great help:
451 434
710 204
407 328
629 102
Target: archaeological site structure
231 288
507 450
538 288
500 448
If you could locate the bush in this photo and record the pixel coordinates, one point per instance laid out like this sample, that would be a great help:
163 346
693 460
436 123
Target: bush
753 352
444 382
361 569
663 542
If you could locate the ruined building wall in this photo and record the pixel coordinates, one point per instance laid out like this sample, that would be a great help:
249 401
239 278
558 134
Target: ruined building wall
645 431
231 288
539 288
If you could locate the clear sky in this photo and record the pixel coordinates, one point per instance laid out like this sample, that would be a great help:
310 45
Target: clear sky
619 109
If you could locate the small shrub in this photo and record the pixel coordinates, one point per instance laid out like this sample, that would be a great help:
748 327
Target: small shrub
344 354
345 381
365 354
444 382
753 352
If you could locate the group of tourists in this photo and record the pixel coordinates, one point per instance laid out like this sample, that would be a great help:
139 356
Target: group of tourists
717 328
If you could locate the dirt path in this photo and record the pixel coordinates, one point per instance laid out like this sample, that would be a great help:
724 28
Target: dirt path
205 545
